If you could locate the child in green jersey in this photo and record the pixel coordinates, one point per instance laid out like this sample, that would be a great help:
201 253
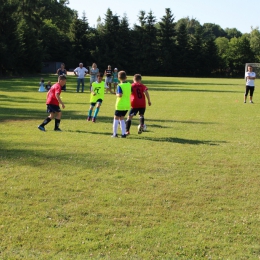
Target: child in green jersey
123 94
96 97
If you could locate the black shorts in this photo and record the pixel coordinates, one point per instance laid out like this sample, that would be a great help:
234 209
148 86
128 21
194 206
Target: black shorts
53 108
94 103
134 111
249 89
120 113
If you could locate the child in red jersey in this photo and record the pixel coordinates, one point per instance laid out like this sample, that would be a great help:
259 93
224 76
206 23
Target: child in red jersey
138 103
53 101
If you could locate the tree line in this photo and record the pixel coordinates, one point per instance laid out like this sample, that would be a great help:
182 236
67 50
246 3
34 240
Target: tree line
34 31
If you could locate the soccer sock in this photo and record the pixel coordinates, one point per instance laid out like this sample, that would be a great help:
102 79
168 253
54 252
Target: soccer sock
141 120
57 123
96 111
115 126
128 124
46 121
90 112
122 125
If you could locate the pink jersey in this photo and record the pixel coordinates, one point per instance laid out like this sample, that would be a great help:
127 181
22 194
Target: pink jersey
51 95
137 95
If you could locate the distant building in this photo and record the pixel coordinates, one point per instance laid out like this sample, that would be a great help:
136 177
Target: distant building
50 66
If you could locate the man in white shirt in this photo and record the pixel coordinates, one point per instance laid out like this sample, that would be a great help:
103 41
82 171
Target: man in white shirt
250 83
80 72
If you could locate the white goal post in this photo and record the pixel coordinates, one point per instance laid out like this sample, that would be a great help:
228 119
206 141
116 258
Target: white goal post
256 68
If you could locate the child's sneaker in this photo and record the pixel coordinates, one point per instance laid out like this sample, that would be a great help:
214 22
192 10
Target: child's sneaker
123 136
89 118
41 128
57 129
140 129
114 135
93 119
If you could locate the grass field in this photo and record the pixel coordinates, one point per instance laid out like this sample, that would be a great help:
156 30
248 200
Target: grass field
188 188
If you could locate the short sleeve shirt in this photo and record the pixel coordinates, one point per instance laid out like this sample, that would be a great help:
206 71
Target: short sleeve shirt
137 95
81 72
51 95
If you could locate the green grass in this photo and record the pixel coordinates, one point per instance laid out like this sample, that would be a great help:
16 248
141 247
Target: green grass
188 188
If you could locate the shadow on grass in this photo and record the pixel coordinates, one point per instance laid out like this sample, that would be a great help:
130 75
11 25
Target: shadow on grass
181 140
166 139
36 157
178 121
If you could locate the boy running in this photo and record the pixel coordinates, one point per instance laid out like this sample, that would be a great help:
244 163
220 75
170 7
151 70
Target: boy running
122 104
53 101
96 97
138 104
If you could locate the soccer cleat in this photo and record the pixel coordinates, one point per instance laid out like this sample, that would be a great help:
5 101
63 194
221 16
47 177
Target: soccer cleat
123 136
127 132
244 101
114 135
41 128
140 129
93 119
251 101
57 129
89 118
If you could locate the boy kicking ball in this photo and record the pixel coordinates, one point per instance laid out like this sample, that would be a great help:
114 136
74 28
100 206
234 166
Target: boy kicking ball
138 103
96 97
53 101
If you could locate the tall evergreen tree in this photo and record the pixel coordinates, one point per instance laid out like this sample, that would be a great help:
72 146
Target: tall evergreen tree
81 48
125 46
151 47
139 43
166 43
197 52
211 58
182 58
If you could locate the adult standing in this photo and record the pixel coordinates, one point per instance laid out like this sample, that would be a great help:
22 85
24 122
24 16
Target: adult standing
250 83
80 72
109 78
93 74
62 71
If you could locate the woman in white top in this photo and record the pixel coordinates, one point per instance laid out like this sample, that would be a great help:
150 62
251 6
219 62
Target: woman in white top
93 74
250 83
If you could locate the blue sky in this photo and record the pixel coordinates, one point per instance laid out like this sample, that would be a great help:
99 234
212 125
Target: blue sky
226 13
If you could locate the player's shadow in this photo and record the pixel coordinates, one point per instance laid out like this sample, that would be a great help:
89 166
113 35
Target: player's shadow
162 139
179 140
179 121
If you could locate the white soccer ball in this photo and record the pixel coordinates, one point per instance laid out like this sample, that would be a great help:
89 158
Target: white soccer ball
144 127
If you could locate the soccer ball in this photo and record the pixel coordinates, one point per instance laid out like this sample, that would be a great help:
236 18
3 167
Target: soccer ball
144 128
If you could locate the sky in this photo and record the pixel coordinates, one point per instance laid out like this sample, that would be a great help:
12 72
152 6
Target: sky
238 14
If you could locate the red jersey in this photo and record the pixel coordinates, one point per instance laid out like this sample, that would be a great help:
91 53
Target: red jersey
51 95
137 95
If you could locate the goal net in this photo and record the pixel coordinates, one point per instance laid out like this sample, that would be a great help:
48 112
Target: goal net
256 68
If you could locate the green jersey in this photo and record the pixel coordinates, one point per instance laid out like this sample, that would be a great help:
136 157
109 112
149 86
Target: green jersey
123 103
99 89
